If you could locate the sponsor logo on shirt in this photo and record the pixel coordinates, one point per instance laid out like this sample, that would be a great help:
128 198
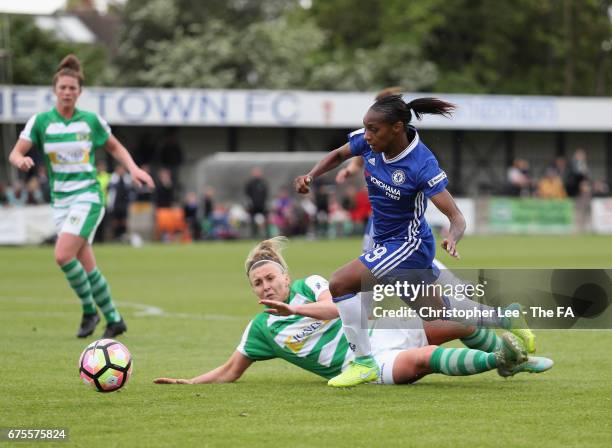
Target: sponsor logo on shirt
296 342
392 192
436 180
69 157
372 161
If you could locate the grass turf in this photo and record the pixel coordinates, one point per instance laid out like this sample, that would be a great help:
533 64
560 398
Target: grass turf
206 304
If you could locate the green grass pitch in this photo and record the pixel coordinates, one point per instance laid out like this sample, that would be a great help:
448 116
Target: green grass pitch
186 307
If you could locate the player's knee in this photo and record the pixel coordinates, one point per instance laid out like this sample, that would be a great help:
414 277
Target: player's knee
62 257
339 286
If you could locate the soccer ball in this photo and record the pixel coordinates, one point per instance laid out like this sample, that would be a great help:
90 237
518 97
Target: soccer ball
105 365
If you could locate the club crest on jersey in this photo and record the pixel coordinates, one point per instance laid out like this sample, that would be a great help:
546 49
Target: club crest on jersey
398 177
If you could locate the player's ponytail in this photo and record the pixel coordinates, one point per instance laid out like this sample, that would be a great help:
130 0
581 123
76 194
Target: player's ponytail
267 251
431 106
394 108
70 66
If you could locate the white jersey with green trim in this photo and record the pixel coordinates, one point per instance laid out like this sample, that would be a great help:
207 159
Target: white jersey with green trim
68 147
318 346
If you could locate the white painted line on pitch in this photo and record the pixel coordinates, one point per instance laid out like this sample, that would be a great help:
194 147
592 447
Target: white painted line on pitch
142 309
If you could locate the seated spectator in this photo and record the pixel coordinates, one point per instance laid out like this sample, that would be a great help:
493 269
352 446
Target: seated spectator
34 195
518 178
600 189
551 186
16 194
221 227
339 218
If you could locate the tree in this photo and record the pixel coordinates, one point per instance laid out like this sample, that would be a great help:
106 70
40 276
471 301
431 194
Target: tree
35 54
482 46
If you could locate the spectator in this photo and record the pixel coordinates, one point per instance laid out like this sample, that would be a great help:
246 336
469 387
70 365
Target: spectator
190 209
600 189
144 193
34 195
578 173
221 228
551 186
560 165
362 209
256 190
518 178
322 192
43 182
104 178
339 218
164 192
208 207
281 211
119 198
171 153
309 213
3 197
16 194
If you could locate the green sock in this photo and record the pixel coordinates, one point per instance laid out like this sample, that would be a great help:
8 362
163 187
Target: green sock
461 361
101 294
77 277
484 339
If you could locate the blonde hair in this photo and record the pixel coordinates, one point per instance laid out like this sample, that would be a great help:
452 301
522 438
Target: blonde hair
70 66
267 251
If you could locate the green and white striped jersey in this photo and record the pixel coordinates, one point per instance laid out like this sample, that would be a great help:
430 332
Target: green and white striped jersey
69 148
318 346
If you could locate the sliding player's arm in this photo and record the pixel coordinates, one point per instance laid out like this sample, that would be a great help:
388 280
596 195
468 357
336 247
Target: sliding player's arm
328 163
229 372
322 309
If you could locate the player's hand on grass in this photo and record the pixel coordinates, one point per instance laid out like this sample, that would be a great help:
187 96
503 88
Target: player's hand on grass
172 381
450 246
140 177
25 164
302 184
277 308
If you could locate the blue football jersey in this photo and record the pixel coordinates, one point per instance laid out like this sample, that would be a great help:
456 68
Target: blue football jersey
398 188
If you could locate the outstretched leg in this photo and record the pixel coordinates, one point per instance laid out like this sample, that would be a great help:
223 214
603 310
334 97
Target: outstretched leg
411 365
345 286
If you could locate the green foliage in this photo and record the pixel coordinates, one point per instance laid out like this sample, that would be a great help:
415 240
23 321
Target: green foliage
35 54
517 47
